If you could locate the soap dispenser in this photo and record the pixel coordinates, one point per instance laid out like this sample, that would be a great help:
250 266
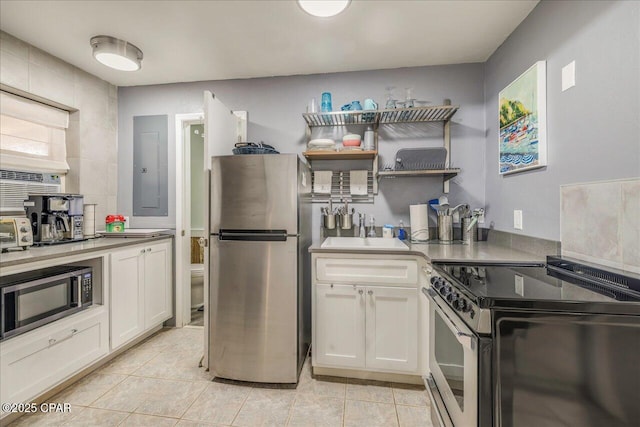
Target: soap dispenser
402 234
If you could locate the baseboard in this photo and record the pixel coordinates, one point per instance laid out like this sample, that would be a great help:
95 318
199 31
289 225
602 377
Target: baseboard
368 375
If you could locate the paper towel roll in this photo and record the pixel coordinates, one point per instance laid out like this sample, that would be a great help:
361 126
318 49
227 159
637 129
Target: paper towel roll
419 222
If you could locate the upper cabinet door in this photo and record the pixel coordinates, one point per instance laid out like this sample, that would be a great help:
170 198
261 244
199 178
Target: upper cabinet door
254 192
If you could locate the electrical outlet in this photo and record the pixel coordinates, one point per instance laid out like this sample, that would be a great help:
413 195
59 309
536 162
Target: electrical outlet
517 219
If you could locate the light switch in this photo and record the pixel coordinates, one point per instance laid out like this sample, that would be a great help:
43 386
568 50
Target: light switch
569 75
517 219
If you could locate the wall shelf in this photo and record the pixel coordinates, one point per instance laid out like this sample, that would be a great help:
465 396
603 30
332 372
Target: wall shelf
446 174
340 155
441 113
374 118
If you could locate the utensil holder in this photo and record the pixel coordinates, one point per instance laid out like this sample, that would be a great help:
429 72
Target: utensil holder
469 236
445 228
330 221
346 221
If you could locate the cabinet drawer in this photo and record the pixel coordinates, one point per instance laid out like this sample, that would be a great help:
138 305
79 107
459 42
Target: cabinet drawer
33 363
355 270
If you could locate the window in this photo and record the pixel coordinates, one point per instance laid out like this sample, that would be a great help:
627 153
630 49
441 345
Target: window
32 135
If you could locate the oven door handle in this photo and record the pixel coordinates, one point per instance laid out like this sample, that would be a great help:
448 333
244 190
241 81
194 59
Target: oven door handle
465 339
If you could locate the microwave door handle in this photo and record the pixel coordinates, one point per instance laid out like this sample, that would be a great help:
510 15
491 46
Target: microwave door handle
78 291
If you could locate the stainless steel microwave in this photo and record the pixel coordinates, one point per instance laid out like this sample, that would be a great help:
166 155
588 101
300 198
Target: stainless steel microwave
35 298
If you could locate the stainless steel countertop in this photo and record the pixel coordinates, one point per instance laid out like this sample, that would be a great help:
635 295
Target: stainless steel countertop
43 253
435 252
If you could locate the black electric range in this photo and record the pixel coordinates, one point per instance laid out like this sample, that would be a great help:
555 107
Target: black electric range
552 344
562 284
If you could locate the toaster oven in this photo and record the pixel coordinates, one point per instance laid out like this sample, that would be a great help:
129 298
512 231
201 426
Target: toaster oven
15 232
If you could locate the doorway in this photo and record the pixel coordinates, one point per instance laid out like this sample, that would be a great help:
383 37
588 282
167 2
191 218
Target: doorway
190 227
197 189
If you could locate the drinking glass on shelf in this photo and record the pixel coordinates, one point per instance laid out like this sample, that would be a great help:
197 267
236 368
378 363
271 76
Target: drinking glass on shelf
408 99
390 104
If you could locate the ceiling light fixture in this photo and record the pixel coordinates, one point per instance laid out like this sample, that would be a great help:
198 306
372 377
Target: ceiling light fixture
323 8
116 53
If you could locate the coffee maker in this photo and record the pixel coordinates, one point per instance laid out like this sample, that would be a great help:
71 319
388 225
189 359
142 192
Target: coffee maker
55 217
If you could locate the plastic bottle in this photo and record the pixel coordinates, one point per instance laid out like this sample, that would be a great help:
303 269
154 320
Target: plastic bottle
372 227
402 234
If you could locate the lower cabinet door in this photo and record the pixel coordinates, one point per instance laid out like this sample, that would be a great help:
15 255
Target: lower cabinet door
339 326
392 329
38 360
157 284
127 295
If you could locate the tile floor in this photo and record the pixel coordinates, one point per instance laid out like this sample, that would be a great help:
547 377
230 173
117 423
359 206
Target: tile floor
158 383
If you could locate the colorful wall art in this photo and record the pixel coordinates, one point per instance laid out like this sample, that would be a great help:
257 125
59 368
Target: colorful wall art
522 111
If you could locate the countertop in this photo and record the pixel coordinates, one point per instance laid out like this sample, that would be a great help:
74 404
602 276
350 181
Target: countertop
481 252
42 253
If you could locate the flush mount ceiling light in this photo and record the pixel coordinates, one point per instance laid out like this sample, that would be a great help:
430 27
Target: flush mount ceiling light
323 8
116 53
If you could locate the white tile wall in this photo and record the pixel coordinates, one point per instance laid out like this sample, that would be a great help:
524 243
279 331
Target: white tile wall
92 134
600 222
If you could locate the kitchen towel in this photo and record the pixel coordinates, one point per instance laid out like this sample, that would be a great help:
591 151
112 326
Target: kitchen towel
418 215
322 182
358 183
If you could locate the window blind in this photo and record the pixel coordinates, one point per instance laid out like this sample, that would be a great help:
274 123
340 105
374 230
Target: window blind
32 135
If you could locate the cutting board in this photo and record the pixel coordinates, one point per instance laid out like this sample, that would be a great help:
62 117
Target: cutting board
135 232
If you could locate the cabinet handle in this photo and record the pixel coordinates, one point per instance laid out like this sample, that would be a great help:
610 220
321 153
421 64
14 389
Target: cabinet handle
148 249
427 270
74 331
52 341
370 292
142 251
360 291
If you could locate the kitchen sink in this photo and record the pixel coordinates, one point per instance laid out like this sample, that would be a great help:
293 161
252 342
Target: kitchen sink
367 243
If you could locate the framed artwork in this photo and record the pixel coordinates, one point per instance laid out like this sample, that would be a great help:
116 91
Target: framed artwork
523 121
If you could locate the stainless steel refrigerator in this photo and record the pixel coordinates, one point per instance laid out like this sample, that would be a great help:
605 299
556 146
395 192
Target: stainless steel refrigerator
259 295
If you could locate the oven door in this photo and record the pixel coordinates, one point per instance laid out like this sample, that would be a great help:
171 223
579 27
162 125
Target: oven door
453 362
26 306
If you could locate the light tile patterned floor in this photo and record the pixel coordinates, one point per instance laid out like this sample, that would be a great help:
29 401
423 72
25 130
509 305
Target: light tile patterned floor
158 383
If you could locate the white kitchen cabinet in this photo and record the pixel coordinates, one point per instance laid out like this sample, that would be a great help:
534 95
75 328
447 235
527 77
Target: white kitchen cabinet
340 325
392 328
127 295
365 313
141 290
37 361
157 284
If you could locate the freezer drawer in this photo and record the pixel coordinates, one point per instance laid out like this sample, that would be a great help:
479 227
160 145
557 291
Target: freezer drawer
253 318
254 192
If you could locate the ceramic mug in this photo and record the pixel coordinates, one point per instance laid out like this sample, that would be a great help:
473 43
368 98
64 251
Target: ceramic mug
355 106
370 104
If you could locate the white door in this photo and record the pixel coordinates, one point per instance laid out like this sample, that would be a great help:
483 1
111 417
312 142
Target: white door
392 328
220 131
127 295
157 284
339 326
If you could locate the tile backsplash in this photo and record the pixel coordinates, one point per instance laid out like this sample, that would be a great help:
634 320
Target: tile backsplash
600 222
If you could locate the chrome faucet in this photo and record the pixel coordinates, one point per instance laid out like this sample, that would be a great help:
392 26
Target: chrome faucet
361 219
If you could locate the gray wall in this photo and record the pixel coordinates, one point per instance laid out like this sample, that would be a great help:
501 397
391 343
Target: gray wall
593 128
275 106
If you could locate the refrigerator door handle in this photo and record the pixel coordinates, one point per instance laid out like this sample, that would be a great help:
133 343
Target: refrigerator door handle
254 235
